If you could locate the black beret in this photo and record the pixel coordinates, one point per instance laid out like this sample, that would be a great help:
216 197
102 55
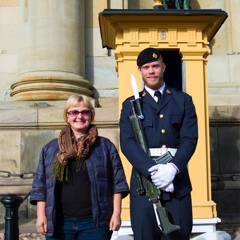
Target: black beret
148 55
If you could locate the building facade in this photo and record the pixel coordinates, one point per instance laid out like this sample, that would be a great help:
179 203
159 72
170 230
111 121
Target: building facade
52 49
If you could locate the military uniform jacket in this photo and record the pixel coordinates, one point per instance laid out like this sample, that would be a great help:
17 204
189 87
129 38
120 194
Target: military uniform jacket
173 124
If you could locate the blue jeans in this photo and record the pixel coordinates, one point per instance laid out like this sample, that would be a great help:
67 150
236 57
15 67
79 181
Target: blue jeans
79 228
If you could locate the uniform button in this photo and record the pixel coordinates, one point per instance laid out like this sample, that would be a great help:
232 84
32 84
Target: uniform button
161 115
163 131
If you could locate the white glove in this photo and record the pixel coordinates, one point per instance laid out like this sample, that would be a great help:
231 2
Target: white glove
162 175
169 188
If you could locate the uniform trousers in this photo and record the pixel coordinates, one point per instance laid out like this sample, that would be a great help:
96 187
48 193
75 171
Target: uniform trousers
144 223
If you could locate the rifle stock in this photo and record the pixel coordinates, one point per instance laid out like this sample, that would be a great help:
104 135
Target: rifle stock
166 226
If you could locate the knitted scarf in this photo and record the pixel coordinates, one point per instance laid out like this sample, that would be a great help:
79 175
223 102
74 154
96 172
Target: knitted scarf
70 149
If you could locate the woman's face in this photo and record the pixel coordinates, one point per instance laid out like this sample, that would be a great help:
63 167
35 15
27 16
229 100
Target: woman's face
79 118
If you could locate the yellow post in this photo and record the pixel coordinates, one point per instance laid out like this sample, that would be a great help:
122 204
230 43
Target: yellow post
199 166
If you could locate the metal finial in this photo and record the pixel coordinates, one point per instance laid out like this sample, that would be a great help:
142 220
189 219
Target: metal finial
158 5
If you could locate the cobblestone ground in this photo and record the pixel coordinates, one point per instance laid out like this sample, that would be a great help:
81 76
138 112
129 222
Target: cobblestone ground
26 236
233 232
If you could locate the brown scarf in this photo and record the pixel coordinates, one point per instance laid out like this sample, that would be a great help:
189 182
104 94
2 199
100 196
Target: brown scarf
70 149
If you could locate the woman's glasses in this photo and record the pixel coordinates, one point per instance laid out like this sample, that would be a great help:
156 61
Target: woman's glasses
74 113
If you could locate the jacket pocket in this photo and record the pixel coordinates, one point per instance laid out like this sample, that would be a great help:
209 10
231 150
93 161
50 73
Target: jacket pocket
176 121
147 123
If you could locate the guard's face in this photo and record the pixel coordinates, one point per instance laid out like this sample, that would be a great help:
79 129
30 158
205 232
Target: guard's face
152 74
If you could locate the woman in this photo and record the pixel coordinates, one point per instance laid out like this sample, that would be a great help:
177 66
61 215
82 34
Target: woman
80 182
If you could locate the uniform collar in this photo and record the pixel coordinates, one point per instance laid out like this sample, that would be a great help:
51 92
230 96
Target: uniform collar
151 91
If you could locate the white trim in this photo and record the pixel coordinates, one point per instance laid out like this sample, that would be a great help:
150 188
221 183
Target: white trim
201 225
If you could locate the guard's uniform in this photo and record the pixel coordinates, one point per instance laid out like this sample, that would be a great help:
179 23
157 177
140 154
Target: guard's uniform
172 124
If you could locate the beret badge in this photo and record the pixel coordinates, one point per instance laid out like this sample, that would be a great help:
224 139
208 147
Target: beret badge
154 55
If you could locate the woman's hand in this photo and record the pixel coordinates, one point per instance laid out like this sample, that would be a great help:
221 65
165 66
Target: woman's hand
41 223
115 222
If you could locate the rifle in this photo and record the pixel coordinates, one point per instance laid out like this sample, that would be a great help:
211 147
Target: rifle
144 186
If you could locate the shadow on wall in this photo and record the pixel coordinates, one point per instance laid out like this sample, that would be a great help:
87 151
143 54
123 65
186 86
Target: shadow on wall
225 165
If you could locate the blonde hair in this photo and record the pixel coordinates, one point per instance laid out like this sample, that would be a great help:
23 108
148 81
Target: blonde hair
74 101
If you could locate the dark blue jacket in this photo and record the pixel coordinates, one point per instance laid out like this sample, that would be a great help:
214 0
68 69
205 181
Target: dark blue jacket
106 175
173 123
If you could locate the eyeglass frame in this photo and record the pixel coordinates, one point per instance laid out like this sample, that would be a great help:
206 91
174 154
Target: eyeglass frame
75 113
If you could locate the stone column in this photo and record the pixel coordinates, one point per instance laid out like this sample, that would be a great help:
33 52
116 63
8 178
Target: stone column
51 51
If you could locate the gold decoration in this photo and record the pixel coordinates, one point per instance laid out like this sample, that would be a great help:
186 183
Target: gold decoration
157 3
154 55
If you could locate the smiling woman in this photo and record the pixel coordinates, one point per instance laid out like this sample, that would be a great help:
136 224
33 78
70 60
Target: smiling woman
66 188
79 114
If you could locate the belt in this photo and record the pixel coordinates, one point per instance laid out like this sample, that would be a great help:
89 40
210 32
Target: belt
154 152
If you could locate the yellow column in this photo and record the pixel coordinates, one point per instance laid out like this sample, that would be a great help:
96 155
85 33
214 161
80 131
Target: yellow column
199 166
126 65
